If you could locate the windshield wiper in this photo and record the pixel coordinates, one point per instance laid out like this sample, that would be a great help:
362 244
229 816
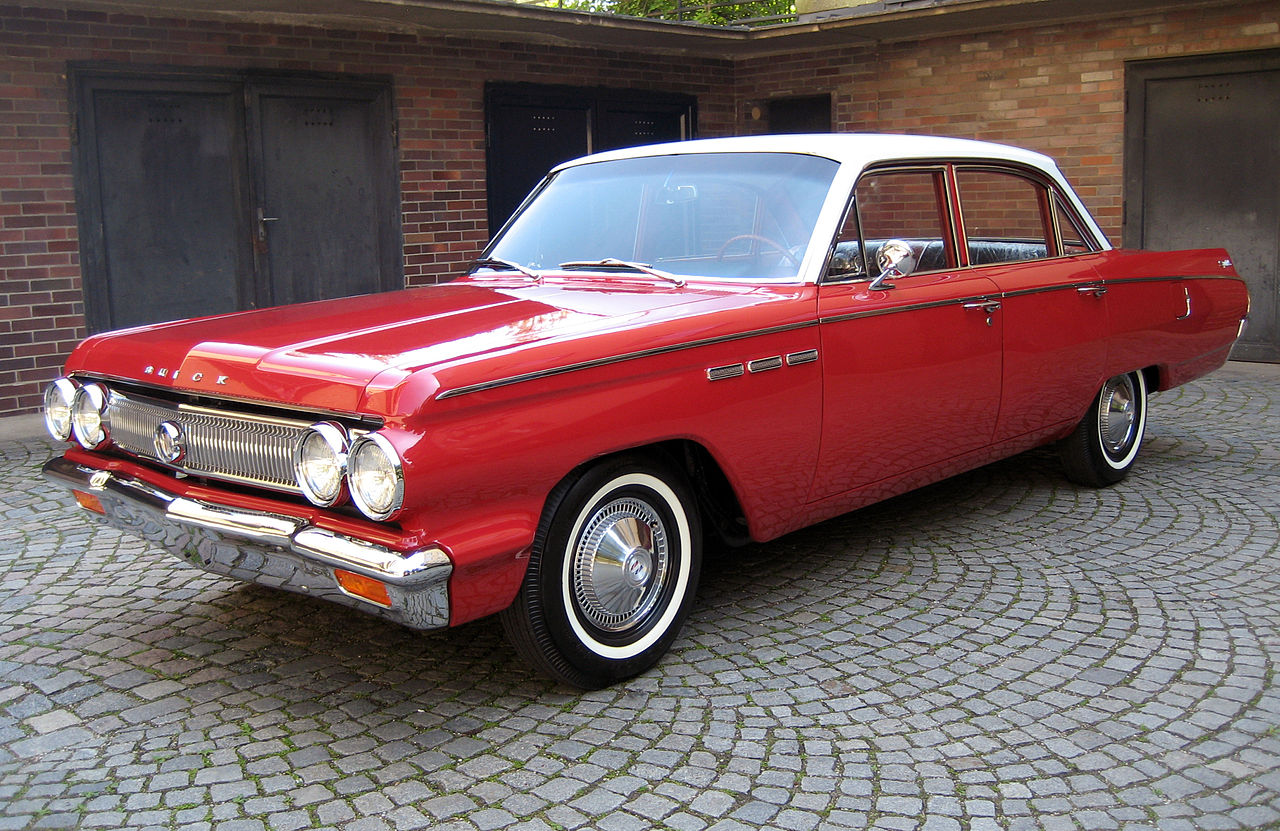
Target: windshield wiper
613 262
499 264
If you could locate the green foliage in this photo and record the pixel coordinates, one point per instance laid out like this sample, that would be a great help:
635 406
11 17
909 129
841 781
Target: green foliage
714 12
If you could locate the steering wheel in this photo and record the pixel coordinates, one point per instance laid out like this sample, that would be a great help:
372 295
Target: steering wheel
757 238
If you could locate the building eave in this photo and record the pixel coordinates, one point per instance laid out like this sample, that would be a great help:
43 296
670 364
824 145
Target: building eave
497 20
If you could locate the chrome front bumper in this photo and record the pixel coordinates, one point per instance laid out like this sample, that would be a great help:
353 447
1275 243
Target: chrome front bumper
275 550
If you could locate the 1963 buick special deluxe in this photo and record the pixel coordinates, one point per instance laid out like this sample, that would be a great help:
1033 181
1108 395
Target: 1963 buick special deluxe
730 338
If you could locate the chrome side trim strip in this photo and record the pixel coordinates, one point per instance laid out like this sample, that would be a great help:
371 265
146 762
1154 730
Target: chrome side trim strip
721 373
913 307
1186 294
485 386
765 364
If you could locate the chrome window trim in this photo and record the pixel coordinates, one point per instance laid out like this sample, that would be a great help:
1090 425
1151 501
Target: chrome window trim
910 307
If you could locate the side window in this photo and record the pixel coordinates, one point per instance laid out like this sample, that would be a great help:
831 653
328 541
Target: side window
904 206
846 259
1004 216
1074 241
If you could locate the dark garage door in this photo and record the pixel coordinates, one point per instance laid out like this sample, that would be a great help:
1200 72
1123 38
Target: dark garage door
531 128
1203 170
207 195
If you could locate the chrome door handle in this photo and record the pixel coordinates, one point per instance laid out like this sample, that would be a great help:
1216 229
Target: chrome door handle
987 306
1096 291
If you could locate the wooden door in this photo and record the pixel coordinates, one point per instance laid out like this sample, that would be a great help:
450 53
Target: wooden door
163 235
179 179
326 217
526 139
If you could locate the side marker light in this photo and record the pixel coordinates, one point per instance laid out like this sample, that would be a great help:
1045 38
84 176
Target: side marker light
365 588
89 502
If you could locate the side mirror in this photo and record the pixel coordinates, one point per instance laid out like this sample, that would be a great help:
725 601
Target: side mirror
895 259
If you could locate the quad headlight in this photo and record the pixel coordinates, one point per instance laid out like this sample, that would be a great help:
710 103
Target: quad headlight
89 423
57 408
376 476
320 463
328 467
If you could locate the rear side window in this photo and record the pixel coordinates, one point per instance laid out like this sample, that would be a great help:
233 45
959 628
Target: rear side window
1005 216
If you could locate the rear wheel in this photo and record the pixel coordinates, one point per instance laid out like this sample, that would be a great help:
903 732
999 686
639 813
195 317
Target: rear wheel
1105 444
611 576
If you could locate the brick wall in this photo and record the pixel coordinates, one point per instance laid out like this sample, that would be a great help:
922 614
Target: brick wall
1054 88
1057 89
439 84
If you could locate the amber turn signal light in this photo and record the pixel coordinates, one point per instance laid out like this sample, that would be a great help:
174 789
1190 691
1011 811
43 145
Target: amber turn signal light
365 588
89 502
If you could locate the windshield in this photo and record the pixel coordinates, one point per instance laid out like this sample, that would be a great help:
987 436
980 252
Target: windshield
736 215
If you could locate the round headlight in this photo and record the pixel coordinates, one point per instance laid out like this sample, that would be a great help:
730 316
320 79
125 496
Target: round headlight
320 462
57 408
88 416
376 476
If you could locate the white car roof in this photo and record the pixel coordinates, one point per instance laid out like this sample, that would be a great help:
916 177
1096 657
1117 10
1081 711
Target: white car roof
859 151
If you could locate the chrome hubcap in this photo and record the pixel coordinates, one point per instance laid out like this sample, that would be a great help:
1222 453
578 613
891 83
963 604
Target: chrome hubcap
1118 415
621 564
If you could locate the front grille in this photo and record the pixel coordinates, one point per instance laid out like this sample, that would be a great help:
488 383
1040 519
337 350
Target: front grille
240 447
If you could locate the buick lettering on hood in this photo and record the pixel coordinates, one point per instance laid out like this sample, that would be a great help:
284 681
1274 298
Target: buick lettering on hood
721 340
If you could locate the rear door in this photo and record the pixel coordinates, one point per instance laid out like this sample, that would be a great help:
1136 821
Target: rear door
1020 234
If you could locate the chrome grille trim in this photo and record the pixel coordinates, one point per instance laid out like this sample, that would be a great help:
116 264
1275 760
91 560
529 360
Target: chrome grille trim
238 447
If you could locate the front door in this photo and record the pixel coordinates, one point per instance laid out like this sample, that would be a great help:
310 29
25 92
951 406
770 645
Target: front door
210 194
911 362
1204 172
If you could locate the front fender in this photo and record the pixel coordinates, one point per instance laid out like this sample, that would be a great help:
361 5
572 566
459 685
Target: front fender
479 467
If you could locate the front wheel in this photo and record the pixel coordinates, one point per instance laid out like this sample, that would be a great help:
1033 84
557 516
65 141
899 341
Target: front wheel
1105 444
611 576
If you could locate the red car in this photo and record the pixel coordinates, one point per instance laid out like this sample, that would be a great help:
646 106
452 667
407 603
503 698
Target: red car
727 339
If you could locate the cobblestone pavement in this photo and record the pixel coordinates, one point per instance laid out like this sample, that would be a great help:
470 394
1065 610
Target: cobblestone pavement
1002 650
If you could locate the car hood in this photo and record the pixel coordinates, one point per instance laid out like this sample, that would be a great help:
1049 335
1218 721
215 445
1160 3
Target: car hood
346 355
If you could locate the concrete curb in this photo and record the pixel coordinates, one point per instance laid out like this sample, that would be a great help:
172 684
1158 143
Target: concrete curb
22 427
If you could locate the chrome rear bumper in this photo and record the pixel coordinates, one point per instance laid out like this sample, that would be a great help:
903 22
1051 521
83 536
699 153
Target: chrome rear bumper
275 550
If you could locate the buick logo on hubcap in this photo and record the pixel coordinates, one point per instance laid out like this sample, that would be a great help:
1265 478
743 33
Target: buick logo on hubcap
170 442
